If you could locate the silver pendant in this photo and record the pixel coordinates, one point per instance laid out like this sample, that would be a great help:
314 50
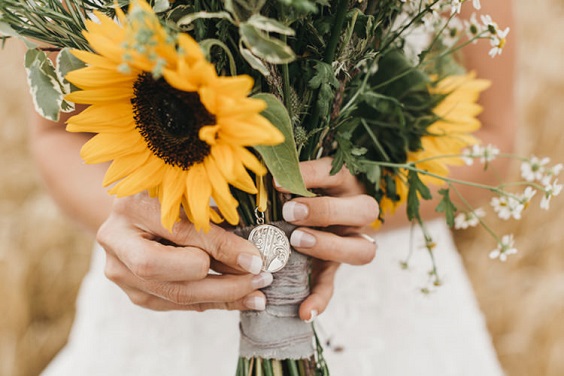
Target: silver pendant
273 246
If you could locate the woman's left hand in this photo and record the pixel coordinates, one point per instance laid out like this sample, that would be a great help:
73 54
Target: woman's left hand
330 228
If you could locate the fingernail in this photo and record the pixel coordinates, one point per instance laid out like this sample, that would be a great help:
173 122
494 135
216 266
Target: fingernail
262 280
294 211
257 303
312 317
301 239
251 263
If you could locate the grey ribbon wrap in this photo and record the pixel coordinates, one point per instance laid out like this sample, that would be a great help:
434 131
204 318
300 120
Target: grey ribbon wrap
277 332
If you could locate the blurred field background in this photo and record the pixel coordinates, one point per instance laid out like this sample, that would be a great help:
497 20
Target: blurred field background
43 256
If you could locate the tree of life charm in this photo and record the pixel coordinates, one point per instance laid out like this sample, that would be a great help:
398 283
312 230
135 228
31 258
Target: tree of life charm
273 246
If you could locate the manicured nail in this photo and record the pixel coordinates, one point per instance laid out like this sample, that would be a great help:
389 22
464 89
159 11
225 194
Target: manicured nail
294 211
262 280
257 303
250 263
312 317
301 239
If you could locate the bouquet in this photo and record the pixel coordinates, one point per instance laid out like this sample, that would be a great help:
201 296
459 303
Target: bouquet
201 100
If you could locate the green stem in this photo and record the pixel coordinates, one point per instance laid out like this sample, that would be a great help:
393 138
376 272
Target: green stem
336 34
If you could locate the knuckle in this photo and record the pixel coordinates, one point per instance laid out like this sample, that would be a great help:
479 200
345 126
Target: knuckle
176 294
325 211
140 299
112 271
142 266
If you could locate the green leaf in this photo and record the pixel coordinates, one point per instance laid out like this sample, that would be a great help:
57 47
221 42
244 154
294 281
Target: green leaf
270 25
161 6
46 90
253 61
66 62
416 191
282 160
446 206
326 83
243 9
206 46
188 19
264 47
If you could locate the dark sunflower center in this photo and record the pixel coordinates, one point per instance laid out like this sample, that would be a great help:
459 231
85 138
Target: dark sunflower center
170 121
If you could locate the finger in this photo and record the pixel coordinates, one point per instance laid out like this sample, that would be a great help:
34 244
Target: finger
317 174
222 245
323 278
221 268
149 259
212 289
354 250
254 301
359 210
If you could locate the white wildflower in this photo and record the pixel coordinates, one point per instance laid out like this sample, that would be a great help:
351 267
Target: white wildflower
550 190
473 28
451 34
527 196
469 219
476 4
498 41
551 172
486 153
507 207
455 7
504 248
534 168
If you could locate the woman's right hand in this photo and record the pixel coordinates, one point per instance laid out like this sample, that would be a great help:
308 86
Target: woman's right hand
163 270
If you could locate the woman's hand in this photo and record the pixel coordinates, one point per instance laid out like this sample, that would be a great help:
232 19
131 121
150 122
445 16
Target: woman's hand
335 224
173 274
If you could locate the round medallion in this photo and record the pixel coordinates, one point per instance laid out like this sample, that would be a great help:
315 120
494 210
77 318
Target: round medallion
273 245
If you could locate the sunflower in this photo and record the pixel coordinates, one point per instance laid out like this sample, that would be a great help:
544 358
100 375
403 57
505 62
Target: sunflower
169 124
457 119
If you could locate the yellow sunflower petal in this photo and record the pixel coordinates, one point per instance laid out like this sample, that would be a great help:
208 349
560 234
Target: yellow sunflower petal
249 160
95 77
237 86
123 166
199 191
107 146
97 96
146 177
221 193
172 196
224 160
107 118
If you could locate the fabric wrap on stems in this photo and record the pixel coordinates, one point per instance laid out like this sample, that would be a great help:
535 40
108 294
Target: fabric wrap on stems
277 332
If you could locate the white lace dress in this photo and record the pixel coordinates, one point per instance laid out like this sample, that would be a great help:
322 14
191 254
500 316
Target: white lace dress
378 323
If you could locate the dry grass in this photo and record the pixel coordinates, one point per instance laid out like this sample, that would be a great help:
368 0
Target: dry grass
42 256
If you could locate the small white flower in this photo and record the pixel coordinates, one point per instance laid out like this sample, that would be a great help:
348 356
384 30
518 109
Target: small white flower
473 27
498 41
551 172
469 219
486 153
550 191
476 4
507 207
527 196
451 34
455 6
504 248
489 153
534 168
